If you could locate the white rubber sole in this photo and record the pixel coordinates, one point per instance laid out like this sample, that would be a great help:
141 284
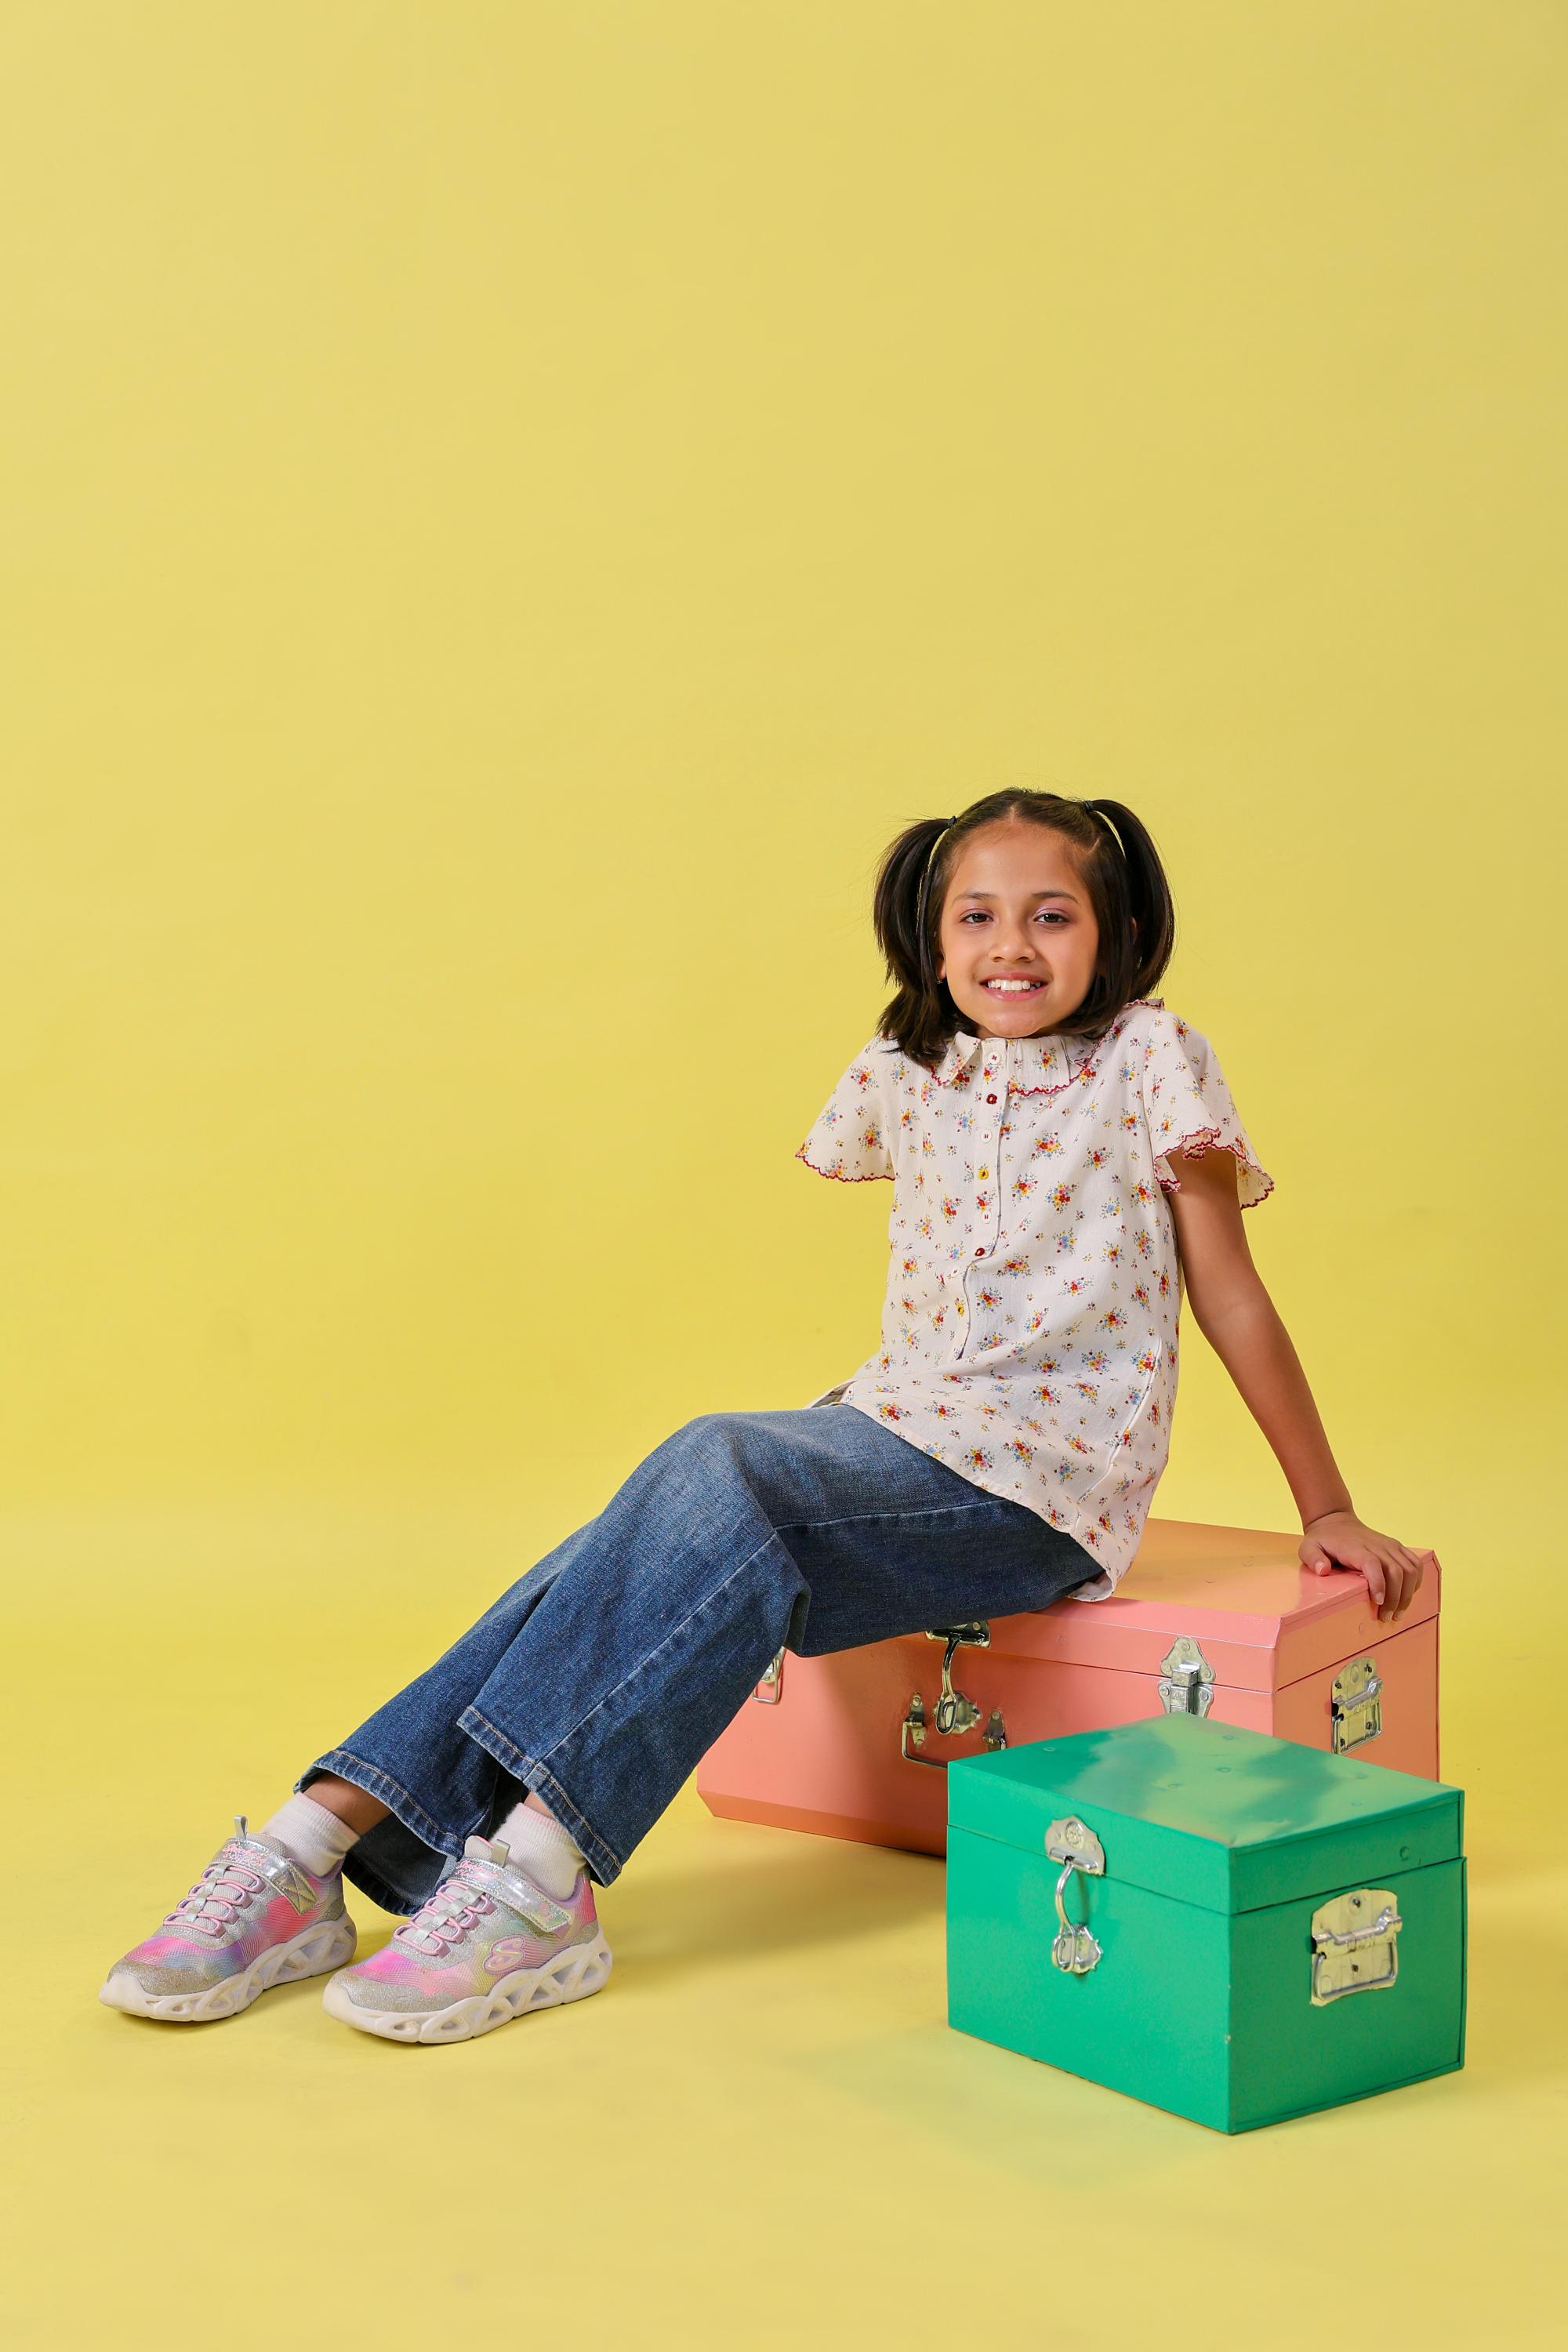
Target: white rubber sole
572 1975
326 1945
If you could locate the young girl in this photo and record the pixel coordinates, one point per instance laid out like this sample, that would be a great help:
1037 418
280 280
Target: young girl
1066 1160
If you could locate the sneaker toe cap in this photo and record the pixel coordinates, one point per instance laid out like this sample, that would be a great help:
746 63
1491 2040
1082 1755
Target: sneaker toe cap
159 1979
378 1988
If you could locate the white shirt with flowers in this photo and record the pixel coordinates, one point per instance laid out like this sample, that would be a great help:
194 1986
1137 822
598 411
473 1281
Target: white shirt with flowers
1029 1331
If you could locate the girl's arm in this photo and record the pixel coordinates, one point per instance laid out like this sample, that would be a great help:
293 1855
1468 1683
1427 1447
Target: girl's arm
1238 1318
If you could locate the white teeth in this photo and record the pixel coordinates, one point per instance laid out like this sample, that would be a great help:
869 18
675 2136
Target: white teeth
1013 987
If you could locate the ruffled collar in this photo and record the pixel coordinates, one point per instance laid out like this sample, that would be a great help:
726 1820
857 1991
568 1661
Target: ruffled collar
1032 1065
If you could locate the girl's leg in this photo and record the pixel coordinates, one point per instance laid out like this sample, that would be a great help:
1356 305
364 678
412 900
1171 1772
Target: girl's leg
600 1679
355 1807
361 1811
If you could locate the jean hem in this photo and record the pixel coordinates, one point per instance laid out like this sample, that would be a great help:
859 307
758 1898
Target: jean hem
602 1859
344 1765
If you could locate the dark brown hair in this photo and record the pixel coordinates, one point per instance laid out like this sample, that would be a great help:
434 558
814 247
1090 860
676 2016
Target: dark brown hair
1125 881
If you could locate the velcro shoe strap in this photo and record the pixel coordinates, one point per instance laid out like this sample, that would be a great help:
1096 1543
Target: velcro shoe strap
530 1902
279 1870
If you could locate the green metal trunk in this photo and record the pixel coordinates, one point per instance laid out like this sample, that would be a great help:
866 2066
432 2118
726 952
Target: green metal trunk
1272 1929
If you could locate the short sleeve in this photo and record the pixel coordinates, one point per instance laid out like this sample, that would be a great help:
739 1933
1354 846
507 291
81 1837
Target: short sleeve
1188 1107
851 1137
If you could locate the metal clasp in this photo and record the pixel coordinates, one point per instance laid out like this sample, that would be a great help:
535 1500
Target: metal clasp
1186 1685
1074 1845
768 1690
954 1711
1353 1947
1357 1704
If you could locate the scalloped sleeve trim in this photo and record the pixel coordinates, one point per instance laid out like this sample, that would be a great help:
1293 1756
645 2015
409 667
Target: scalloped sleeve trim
1253 1183
842 1175
1190 1108
849 1138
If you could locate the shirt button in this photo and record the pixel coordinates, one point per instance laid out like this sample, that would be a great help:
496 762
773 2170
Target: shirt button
990 1098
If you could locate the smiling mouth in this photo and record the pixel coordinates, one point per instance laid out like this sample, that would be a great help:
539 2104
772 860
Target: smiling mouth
1012 988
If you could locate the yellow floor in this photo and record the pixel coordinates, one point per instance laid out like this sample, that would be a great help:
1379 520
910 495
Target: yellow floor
762 2132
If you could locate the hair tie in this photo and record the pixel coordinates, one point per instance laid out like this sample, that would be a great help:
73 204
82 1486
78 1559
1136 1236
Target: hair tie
1105 821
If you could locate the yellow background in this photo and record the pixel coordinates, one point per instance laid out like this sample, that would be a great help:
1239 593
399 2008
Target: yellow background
507 508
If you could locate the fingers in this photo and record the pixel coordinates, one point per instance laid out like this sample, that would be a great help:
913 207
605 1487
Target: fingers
1376 1576
1400 1580
1394 1572
1414 1570
1397 1591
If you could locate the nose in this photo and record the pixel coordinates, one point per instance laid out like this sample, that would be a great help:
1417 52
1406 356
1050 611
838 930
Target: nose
1012 947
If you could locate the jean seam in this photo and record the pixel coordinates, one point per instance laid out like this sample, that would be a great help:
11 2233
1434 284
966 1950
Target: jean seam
936 1511
648 1655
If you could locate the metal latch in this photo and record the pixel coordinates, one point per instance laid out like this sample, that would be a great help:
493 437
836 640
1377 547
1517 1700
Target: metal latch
768 1690
1074 1845
954 1711
1357 1705
1186 1678
1353 1947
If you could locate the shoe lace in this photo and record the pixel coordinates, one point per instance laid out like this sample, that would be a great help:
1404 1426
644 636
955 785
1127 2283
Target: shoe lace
444 1919
218 1898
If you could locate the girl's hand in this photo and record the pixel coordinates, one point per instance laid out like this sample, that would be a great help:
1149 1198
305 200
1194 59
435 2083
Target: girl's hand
1392 1571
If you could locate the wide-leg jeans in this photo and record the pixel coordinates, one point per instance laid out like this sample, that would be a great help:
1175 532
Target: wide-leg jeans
602 1676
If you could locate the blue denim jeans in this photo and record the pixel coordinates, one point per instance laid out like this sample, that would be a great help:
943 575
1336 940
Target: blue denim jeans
605 1674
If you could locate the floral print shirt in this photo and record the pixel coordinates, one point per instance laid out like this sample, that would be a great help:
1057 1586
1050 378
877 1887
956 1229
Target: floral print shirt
1029 1331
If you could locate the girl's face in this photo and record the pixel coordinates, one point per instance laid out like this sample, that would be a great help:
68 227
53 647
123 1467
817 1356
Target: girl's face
1016 910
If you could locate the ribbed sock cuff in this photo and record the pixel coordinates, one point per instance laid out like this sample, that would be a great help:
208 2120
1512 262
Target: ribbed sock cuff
312 1835
541 1848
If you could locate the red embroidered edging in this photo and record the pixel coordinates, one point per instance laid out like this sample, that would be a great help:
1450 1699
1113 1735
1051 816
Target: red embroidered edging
1201 1140
1093 1065
838 1176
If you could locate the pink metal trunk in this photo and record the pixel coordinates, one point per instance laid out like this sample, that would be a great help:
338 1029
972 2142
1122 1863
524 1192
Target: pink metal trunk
1221 1621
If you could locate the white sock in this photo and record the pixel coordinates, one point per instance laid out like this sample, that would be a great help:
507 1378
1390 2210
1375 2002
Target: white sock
312 1835
542 1849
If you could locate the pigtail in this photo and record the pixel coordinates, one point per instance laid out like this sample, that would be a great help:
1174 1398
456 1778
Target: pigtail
905 915
1137 892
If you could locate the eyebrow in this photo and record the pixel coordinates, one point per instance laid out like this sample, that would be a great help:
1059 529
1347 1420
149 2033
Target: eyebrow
1036 894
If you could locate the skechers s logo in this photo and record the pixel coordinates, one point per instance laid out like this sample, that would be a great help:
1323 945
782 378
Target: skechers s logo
510 1952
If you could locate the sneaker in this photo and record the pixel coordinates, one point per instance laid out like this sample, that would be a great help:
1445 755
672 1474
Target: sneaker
255 1918
487 1946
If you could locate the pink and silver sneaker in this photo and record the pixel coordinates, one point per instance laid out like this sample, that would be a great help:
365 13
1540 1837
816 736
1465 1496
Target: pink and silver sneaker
488 1945
255 1918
